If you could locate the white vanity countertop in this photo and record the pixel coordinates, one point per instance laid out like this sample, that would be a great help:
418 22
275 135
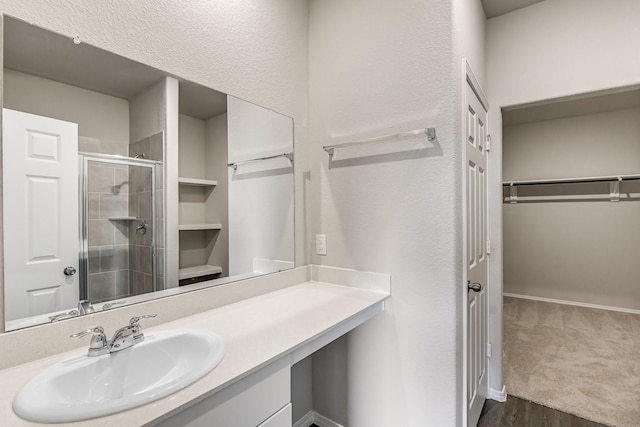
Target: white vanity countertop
256 332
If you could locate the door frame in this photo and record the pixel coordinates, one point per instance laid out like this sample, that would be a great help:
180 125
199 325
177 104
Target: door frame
468 77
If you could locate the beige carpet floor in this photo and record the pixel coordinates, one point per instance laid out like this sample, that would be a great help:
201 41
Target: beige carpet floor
579 360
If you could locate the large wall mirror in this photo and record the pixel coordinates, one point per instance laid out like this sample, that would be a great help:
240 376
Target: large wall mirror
106 204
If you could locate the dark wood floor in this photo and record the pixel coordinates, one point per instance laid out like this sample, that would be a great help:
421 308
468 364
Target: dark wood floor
517 412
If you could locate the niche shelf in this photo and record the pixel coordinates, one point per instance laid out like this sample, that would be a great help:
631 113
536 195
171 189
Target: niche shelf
194 227
122 218
197 182
197 271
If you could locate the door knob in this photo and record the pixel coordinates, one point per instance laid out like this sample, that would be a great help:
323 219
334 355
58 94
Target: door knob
475 287
69 271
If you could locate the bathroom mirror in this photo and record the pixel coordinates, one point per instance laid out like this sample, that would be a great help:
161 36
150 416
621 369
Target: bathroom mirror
106 205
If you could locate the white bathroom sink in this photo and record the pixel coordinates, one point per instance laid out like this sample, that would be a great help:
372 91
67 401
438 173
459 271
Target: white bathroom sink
88 387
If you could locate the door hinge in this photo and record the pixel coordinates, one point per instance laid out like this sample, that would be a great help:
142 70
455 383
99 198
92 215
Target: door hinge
488 144
488 247
489 350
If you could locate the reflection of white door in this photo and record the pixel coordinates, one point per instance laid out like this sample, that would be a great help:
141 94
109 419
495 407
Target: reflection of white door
40 172
477 273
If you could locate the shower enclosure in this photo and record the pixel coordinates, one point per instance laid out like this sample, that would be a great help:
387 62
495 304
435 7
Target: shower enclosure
120 203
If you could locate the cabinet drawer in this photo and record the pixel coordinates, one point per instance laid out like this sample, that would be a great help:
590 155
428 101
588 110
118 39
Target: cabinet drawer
282 418
247 403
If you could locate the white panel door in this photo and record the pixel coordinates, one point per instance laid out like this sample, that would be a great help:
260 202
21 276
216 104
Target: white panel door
40 172
477 268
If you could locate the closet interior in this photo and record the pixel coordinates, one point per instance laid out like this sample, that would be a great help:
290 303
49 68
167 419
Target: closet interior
571 192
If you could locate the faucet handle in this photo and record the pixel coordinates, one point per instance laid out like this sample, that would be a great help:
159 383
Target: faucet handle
98 341
96 330
134 320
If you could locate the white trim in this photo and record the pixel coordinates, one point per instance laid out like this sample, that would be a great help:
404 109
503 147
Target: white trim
323 421
574 303
464 386
305 421
498 395
475 85
312 417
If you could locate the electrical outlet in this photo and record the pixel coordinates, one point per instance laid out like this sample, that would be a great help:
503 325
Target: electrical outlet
321 244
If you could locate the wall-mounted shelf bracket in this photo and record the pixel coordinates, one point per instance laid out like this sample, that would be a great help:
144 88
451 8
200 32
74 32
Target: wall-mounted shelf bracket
614 190
513 194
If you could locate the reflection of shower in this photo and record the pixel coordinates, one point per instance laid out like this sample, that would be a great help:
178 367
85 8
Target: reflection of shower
118 187
141 229
118 214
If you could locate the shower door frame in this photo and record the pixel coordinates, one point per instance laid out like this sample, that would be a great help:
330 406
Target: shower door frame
83 159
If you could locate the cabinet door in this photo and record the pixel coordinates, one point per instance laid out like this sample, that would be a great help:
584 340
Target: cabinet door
282 418
247 403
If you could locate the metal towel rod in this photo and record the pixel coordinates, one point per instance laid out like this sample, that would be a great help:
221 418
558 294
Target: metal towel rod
571 180
429 132
234 165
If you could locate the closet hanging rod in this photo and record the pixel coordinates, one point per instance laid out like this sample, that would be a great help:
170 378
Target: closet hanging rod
235 165
429 132
572 180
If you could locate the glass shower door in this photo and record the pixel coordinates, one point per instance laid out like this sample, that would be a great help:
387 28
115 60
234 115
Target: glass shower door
118 227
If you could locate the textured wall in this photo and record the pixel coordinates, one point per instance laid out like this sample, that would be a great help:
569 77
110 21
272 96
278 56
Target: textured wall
379 68
552 49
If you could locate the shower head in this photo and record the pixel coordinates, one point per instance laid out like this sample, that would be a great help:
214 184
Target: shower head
140 156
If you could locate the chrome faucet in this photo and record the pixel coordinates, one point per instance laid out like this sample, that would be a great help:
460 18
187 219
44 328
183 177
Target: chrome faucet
124 337
85 307
99 344
62 316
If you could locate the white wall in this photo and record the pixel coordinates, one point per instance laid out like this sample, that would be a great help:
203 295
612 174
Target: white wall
552 49
574 249
98 116
379 68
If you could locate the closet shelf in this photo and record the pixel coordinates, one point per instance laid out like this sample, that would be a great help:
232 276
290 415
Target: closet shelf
197 182
187 227
197 271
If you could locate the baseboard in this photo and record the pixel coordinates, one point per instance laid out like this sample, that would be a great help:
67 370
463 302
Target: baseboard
574 303
312 417
323 421
305 421
498 395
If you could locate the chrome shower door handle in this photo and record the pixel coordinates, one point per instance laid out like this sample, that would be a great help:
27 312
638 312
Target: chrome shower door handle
69 271
475 287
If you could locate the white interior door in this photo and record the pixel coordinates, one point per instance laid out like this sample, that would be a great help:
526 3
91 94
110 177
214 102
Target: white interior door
477 268
40 172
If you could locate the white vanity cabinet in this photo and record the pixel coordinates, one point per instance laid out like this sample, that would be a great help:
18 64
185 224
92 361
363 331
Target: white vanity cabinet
261 399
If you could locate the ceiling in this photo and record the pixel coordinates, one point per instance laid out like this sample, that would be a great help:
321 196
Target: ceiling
493 8
33 50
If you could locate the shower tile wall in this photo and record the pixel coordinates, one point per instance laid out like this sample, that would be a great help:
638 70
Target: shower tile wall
140 277
108 238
